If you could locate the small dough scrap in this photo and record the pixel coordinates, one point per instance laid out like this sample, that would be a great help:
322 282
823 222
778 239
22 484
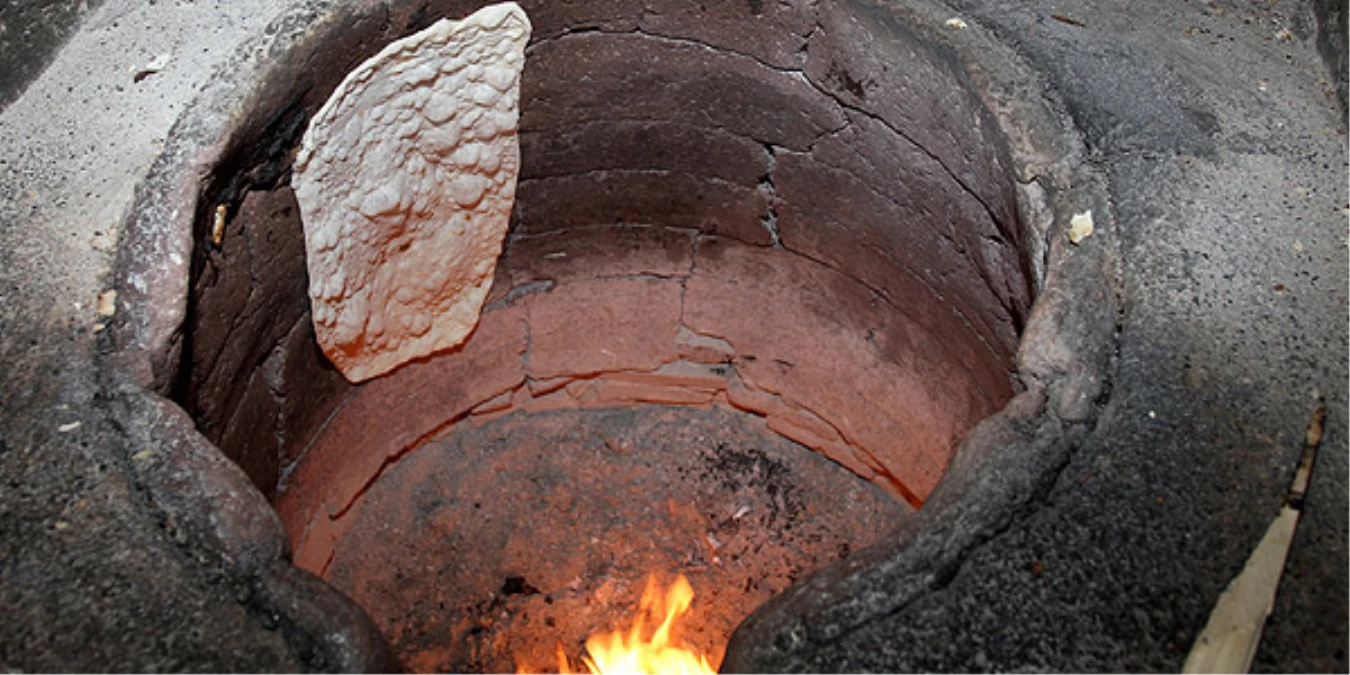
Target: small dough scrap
1080 227
405 180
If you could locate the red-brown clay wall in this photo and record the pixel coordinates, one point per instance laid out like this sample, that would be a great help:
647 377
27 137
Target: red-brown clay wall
676 317
796 211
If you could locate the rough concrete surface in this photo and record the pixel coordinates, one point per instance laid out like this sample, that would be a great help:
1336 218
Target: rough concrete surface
1217 128
93 579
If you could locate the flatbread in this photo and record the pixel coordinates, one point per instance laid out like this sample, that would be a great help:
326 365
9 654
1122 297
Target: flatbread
405 180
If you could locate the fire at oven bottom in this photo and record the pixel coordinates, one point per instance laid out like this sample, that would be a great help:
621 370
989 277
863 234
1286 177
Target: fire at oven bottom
502 544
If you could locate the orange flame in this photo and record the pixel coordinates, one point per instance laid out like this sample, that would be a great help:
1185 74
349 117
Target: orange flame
634 652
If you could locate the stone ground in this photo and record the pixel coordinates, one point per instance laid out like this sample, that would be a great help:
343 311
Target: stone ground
1217 126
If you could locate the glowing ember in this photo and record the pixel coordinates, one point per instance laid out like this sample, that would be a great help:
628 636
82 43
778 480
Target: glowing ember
636 651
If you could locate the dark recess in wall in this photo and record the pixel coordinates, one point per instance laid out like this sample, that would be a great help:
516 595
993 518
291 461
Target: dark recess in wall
31 32
1331 42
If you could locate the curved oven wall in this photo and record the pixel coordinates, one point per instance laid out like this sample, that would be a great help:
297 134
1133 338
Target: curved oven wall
792 211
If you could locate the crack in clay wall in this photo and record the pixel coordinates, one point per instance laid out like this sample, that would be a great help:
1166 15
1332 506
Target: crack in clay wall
999 245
